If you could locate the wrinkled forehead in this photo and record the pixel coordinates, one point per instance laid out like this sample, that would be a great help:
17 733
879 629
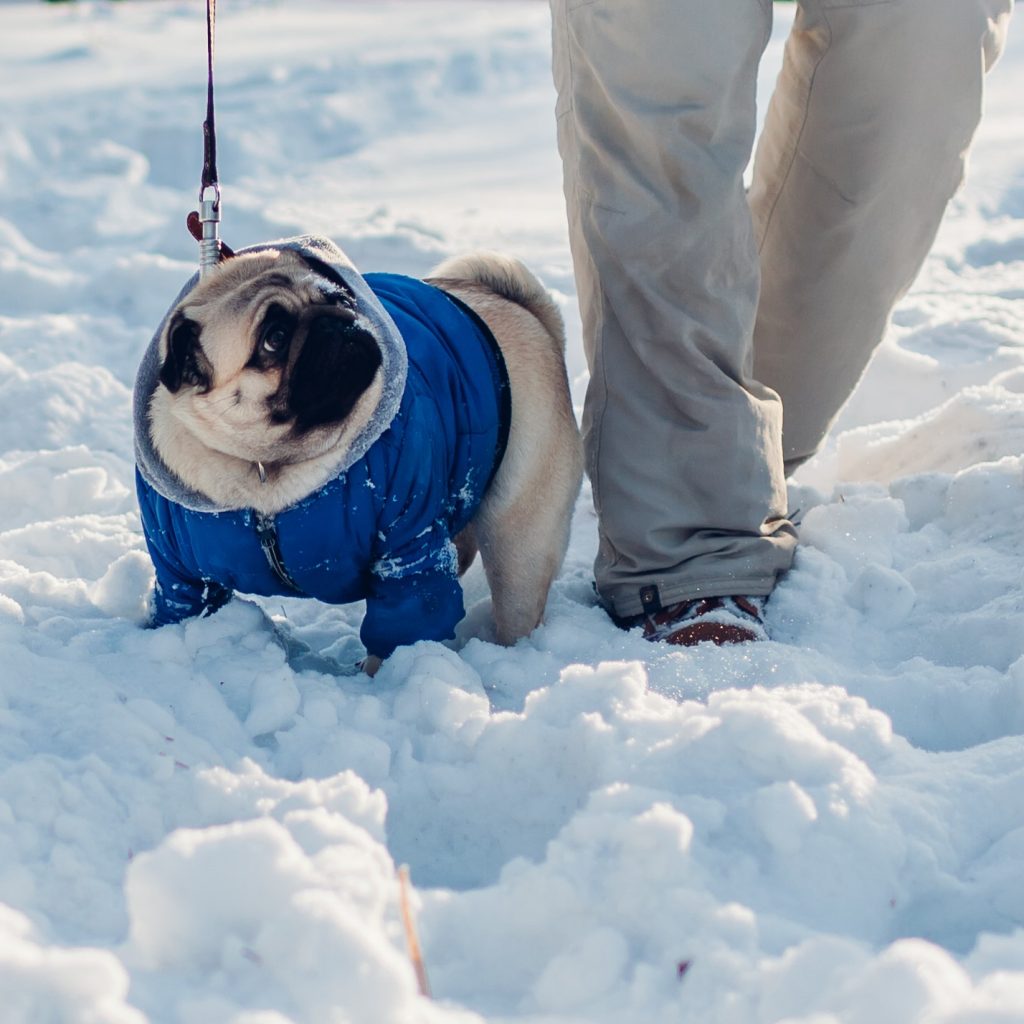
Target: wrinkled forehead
243 285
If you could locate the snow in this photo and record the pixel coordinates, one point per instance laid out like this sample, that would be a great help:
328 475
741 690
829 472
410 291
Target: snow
202 824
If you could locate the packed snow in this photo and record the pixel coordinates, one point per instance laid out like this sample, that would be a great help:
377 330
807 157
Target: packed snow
201 824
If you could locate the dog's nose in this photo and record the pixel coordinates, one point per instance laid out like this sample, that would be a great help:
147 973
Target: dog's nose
322 328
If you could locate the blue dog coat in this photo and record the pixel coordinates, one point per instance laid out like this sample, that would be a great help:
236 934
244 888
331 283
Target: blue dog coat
381 529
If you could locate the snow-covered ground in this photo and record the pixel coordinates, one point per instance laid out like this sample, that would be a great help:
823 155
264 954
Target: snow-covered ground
202 824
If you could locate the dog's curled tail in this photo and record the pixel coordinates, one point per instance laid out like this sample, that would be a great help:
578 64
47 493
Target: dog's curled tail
511 279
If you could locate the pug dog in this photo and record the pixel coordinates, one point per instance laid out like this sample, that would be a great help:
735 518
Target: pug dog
302 429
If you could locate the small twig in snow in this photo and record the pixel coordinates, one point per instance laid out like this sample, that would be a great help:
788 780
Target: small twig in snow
410 931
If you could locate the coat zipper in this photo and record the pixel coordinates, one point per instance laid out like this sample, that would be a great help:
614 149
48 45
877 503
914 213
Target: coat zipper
266 530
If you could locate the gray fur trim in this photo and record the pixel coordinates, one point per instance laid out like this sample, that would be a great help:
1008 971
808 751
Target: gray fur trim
394 367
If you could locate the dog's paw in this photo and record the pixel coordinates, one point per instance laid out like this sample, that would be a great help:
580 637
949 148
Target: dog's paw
370 665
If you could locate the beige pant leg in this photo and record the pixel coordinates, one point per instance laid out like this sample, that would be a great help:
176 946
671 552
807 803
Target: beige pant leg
864 143
656 120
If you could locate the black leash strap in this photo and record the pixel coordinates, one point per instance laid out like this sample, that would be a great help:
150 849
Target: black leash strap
204 224
209 126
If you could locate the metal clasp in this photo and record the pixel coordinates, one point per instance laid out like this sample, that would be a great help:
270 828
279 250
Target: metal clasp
209 219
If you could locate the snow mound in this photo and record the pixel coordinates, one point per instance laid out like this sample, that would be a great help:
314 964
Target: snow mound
201 824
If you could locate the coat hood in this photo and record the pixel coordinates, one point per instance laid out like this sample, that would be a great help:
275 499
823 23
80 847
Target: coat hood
394 368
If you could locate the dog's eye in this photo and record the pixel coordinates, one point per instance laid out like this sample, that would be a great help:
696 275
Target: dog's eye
274 340
275 335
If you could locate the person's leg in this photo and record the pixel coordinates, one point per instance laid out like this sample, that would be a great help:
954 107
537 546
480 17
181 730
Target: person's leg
864 143
656 121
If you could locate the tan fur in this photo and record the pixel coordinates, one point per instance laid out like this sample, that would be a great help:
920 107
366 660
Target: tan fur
521 530
511 279
522 527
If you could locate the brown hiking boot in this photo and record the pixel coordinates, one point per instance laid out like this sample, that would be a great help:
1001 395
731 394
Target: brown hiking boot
720 620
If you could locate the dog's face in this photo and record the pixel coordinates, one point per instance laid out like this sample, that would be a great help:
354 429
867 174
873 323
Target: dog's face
267 359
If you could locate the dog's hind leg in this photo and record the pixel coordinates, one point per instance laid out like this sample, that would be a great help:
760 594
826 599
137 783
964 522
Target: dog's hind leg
522 526
522 547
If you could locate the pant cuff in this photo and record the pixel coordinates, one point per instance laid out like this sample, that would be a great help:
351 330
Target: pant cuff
625 600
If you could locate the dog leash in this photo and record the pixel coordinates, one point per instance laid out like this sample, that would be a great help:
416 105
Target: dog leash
204 223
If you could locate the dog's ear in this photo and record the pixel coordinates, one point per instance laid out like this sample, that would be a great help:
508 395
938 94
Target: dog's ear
342 295
184 362
338 362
